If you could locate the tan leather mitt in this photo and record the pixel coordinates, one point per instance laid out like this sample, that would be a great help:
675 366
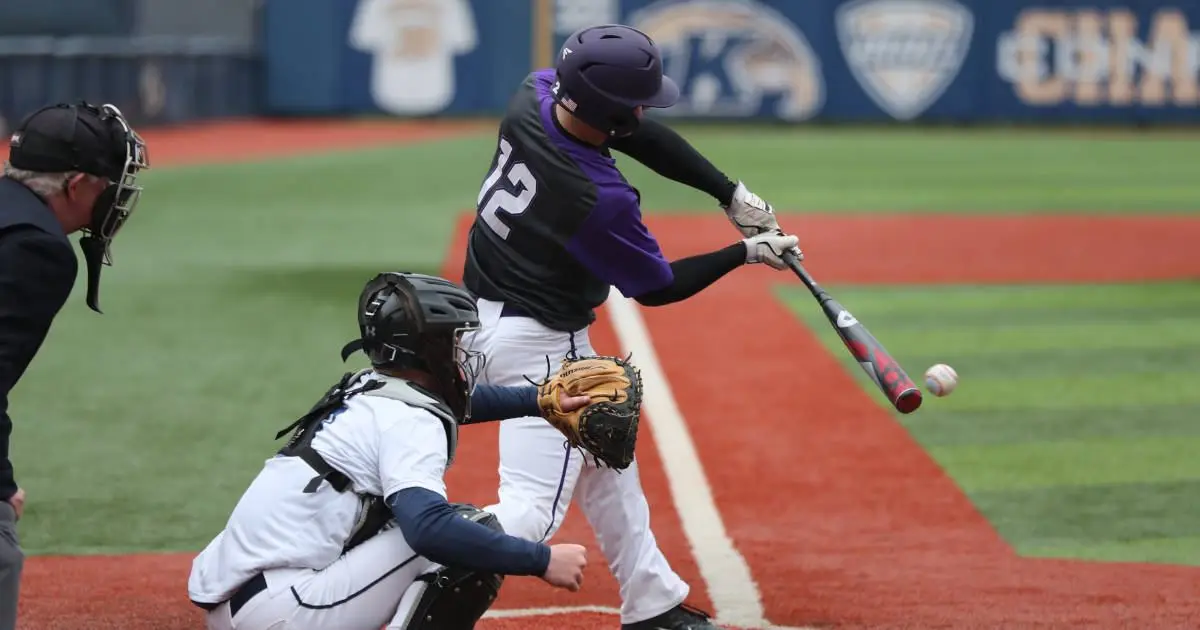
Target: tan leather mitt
607 427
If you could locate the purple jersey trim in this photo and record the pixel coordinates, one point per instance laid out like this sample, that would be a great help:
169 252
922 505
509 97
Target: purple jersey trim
613 242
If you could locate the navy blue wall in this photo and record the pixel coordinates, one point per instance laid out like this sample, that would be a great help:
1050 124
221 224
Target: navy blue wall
792 60
860 60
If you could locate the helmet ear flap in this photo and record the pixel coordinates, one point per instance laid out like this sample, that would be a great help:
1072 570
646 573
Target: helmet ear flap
373 333
367 322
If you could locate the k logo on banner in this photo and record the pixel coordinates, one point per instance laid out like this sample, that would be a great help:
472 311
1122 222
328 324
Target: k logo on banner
734 58
904 53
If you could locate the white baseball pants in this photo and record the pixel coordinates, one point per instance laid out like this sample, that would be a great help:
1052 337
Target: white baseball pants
362 590
539 474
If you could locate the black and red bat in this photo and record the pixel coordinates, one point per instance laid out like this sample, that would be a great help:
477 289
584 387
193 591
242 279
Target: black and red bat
870 354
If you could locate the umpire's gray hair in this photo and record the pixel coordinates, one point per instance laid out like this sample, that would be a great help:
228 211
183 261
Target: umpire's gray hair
44 184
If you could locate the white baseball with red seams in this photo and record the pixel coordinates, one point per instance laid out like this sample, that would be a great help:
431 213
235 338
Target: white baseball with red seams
941 379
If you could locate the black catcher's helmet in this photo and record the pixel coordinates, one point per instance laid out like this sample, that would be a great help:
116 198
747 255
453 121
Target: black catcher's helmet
412 321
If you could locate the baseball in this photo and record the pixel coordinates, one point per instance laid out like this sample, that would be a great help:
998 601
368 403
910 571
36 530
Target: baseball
941 379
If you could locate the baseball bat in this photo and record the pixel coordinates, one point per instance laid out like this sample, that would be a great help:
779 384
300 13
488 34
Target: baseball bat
874 359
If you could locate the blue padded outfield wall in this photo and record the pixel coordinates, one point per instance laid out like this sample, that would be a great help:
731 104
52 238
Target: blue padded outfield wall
160 61
792 60
165 61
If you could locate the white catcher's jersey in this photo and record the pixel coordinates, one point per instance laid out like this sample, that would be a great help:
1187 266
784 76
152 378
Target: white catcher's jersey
382 445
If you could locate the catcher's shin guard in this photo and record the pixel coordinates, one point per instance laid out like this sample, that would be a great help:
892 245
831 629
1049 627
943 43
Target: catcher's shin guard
452 598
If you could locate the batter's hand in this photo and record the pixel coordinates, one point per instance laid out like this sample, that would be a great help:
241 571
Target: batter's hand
749 213
18 502
753 216
566 566
769 248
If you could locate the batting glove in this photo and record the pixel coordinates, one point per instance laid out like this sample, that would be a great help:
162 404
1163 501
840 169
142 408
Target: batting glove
769 248
749 213
752 215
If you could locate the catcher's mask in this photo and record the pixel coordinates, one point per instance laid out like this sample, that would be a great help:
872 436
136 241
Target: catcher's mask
94 140
411 321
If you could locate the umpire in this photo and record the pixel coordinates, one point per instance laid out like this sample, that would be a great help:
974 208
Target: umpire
71 168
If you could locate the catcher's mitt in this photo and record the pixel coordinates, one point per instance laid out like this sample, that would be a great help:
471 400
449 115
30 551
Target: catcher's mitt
607 427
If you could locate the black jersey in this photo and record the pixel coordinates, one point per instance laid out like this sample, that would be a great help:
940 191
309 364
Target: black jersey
37 272
557 223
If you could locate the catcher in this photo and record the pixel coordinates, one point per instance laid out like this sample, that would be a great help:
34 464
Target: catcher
348 525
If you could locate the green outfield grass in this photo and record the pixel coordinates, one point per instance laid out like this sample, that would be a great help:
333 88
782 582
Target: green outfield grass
1074 427
234 289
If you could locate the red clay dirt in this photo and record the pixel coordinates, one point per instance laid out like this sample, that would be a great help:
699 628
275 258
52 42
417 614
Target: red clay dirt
857 527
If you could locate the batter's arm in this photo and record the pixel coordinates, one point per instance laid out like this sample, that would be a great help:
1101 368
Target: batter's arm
662 150
693 274
622 252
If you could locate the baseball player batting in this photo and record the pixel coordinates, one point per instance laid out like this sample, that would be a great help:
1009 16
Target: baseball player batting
348 526
557 226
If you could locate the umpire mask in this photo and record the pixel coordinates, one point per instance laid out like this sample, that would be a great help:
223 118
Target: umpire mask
84 138
114 206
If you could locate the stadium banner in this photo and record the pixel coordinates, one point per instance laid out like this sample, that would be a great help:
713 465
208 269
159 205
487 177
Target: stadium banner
785 60
154 81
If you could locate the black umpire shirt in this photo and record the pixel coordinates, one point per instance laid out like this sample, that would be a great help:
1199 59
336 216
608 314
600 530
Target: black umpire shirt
37 272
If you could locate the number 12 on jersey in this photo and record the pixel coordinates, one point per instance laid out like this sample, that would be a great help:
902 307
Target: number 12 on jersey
499 199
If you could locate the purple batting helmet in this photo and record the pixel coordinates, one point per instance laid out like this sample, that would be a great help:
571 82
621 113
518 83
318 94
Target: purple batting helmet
606 72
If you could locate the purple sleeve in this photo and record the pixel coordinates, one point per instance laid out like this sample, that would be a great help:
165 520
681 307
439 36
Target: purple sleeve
616 246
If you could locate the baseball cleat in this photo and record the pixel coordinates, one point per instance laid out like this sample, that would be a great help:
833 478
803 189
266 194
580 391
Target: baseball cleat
681 617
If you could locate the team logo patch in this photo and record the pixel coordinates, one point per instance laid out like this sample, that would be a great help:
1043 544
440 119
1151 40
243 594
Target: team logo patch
734 58
904 53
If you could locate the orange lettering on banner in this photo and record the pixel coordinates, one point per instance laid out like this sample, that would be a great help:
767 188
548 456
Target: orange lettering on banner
1033 26
1091 58
1122 28
1090 46
1172 67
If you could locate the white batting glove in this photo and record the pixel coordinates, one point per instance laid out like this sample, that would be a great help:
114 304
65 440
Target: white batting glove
769 248
749 213
752 215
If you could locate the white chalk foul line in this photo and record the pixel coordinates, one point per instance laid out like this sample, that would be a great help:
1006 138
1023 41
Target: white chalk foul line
522 613
730 585
516 613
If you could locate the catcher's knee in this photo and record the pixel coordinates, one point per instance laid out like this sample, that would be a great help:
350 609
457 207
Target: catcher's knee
483 517
453 598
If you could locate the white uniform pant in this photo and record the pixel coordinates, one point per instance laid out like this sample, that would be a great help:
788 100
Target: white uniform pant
362 590
539 474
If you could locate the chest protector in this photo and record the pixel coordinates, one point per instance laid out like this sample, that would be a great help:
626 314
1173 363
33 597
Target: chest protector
375 513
